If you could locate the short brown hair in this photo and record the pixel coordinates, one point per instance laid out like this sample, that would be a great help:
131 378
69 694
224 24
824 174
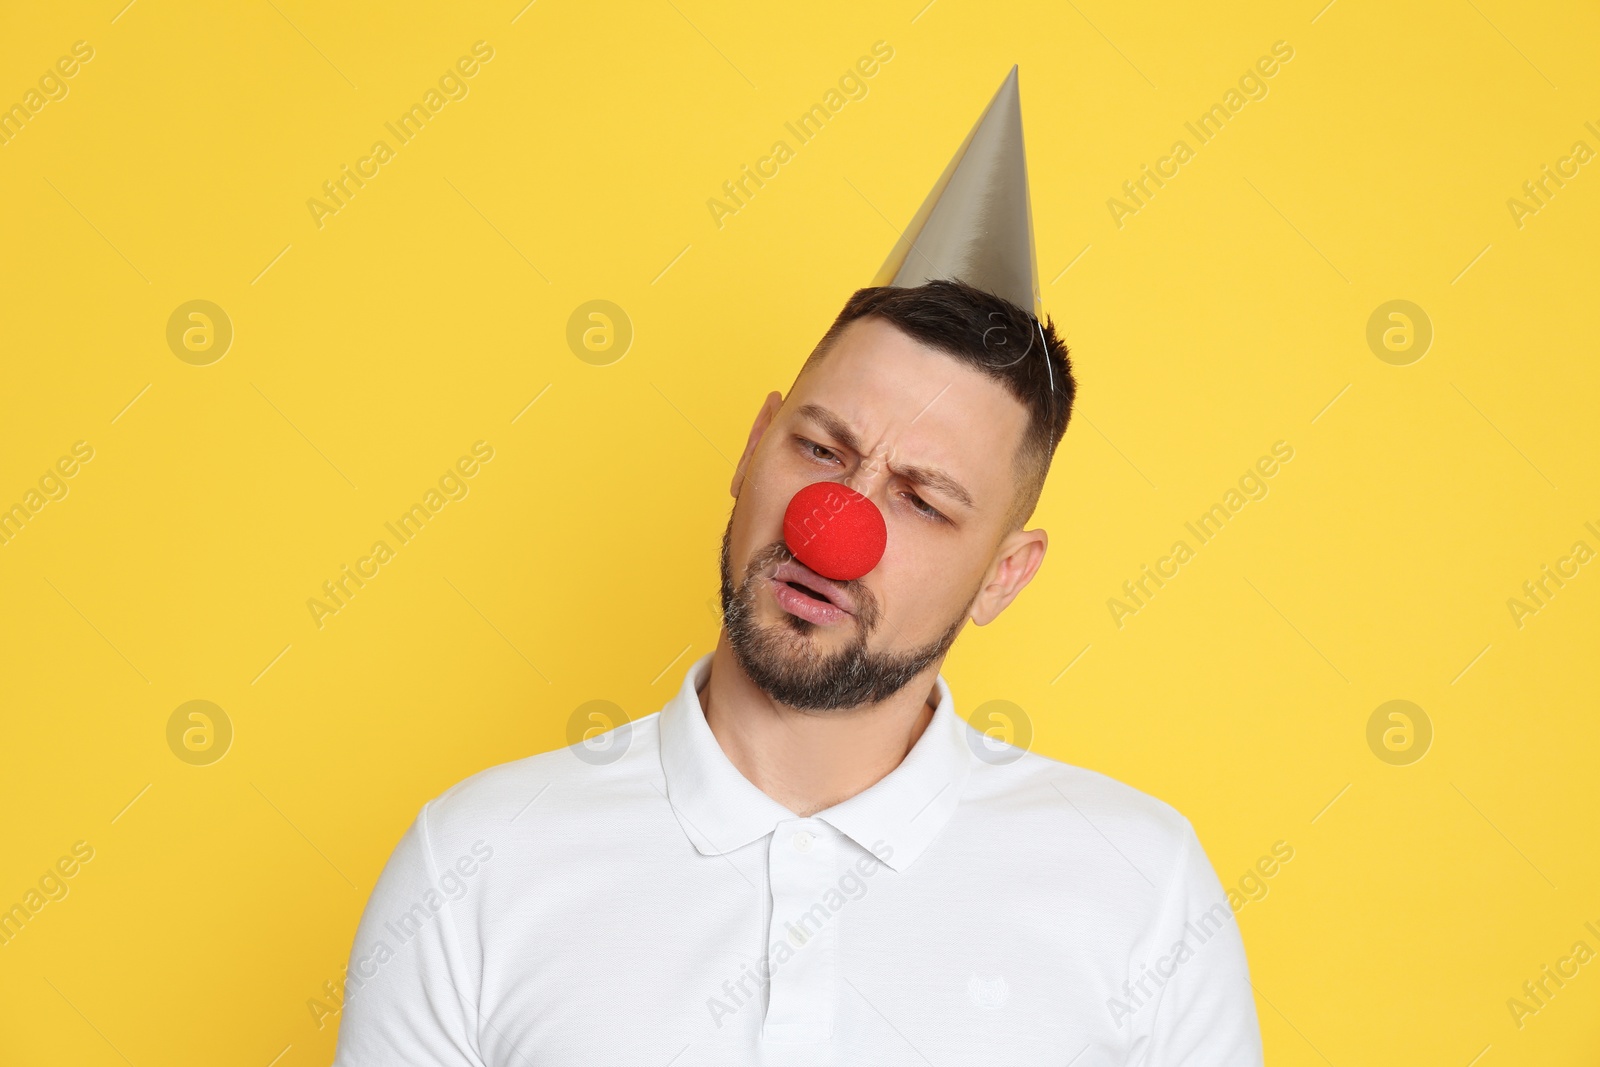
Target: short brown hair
997 337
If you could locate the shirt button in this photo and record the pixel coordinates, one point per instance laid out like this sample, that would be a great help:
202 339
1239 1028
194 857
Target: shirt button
802 841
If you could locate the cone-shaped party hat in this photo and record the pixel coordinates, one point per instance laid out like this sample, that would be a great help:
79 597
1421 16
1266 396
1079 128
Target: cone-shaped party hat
976 226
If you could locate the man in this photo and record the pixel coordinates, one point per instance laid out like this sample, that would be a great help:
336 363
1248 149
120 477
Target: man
807 856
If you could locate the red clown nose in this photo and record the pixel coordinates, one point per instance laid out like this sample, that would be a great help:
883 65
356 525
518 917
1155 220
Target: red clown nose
835 531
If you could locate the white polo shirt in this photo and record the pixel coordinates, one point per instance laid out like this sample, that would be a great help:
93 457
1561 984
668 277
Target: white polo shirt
638 901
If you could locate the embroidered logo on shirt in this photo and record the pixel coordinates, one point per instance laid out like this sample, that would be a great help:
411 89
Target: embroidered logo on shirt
988 991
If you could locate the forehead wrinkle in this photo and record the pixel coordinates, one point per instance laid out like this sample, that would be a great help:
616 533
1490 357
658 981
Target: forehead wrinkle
925 475
916 473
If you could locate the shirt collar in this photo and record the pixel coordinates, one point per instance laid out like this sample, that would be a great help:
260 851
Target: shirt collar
721 810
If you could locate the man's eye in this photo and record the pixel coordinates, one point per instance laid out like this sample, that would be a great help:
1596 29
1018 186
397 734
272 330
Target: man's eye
924 508
815 448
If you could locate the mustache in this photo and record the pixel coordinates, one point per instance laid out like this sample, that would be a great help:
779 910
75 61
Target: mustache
774 555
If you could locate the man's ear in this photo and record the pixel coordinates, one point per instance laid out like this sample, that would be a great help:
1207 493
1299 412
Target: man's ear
1021 553
758 429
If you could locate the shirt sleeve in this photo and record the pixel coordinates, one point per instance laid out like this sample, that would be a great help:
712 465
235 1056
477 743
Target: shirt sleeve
1205 1012
408 999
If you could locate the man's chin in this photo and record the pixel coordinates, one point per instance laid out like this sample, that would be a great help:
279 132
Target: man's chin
797 643
786 656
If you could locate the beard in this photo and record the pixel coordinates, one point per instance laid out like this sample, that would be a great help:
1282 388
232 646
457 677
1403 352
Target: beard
781 661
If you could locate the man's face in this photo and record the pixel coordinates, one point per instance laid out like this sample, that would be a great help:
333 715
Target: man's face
931 442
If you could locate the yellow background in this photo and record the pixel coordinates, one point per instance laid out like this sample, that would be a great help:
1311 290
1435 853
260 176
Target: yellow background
370 353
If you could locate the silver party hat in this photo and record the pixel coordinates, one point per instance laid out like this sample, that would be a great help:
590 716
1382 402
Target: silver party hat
976 225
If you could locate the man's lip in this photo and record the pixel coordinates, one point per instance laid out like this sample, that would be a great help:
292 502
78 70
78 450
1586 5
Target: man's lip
807 607
795 571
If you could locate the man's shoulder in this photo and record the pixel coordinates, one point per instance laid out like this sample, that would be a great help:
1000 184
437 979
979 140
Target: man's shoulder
1008 775
574 779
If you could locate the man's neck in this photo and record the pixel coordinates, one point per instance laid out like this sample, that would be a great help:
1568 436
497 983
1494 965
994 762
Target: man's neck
810 761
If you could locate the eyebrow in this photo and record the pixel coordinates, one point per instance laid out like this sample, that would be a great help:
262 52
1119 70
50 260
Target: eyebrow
915 473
